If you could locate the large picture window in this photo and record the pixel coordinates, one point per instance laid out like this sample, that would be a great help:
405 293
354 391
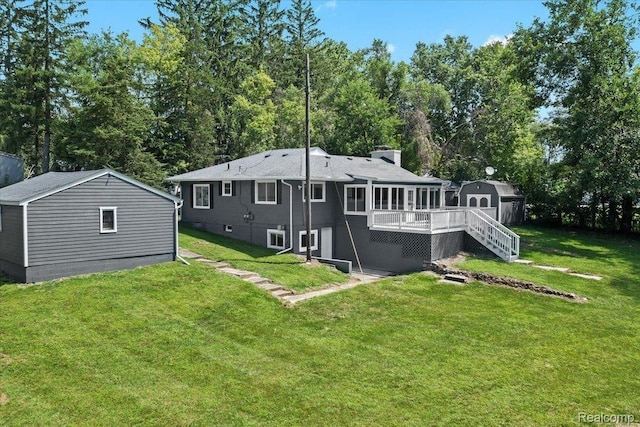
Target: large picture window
108 220
275 239
355 199
303 241
266 192
201 196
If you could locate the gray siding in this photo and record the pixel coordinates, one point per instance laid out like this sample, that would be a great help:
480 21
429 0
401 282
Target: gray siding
478 188
41 273
11 243
512 210
11 170
230 210
65 227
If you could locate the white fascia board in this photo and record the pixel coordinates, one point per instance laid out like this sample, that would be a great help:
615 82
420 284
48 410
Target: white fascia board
99 174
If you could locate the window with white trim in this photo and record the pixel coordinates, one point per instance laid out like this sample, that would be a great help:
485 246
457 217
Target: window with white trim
302 240
227 188
266 192
434 198
108 220
317 192
201 196
387 197
275 239
355 199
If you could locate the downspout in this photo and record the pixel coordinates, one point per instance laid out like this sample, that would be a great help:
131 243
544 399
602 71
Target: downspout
177 206
25 236
290 218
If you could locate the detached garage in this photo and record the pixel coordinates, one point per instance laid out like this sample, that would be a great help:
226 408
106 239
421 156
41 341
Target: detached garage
508 199
66 223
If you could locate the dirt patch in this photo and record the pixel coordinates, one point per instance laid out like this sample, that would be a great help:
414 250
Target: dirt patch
4 399
5 359
491 279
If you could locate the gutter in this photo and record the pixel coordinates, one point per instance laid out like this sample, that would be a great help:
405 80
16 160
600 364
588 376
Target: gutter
290 218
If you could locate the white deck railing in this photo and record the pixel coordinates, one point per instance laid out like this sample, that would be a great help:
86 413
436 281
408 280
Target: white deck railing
495 236
478 222
447 219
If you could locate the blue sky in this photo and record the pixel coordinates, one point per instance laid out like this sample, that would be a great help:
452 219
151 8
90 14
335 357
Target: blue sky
401 23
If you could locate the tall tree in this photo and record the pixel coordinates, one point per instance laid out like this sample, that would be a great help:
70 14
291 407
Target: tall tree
585 66
263 27
49 27
107 123
302 36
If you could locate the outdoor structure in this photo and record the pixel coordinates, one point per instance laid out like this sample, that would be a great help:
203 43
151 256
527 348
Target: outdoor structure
66 223
507 198
11 169
367 210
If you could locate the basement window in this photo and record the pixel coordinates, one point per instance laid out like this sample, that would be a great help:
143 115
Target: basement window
228 228
303 241
275 239
108 220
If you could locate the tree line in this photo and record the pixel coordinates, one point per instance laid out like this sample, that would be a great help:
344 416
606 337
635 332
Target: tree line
554 109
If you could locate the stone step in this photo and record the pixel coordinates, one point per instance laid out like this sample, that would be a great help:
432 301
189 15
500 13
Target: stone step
456 278
281 293
269 286
256 280
216 264
451 282
239 273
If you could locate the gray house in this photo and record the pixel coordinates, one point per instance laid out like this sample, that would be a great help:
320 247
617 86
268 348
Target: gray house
506 198
67 223
11 169
367 210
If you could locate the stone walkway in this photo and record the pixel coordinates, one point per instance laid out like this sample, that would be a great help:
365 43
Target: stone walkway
560 269
287 296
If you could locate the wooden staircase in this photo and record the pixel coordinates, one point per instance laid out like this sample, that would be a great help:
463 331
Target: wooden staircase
493 235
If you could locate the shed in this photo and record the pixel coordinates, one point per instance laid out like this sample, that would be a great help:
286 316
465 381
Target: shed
507 198
66 223
11 169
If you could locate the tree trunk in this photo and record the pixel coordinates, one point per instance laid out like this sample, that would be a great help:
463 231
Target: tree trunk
626 224
612 217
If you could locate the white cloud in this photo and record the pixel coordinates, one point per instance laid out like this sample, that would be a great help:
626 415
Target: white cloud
391 48
331 4
503 40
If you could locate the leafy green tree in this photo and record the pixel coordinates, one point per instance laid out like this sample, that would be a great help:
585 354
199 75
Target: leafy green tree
263 28
362 120
107 123
584 64
254 116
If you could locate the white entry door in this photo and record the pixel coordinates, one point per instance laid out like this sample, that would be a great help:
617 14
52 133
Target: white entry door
326 242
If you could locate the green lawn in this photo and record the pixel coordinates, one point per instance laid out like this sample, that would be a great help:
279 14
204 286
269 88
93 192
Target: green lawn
287 269
178 345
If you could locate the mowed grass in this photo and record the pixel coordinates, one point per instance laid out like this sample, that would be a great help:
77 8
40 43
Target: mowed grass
286 269
178 345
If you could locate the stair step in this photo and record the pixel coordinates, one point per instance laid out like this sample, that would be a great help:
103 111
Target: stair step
456 278
281 293
256 280
270 286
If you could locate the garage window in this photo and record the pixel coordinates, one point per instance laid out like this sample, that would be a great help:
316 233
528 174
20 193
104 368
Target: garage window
108 220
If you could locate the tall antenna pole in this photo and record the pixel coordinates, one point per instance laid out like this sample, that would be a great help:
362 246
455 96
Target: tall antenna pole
308 163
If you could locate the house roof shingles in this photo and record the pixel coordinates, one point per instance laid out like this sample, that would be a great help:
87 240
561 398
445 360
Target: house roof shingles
290 164
52 182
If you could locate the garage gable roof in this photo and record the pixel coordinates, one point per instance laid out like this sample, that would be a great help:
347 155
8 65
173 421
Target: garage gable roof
30 190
